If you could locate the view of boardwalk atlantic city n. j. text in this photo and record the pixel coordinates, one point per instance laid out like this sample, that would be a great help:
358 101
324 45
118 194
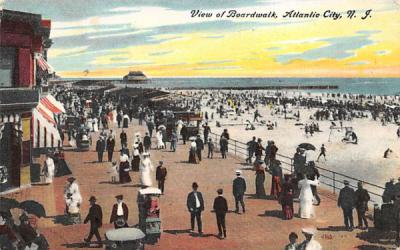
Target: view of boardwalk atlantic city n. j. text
200 125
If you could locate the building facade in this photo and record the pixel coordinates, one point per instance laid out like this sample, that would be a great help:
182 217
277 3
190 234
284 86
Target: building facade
24 40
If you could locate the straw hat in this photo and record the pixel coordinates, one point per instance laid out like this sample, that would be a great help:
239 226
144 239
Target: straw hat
308 230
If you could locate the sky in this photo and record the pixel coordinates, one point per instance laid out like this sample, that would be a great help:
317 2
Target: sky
102 38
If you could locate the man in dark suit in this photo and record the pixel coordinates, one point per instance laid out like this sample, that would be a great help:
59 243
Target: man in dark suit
221 208
95 216
161 174
347 201
119 214
206 131
195 205
147 142
124 139
199 146
239 188
100 147
362 198
110 147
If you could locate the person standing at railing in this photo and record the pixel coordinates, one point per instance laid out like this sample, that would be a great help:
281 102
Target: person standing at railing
223 146
306 209
313 174
276 184
273 152
206 131
346 201
258 151
226 134
251 147
299 161
362 198
267 153
260 179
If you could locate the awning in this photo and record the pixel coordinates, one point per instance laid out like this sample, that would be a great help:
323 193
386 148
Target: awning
43 64
44 132
46 113
52 104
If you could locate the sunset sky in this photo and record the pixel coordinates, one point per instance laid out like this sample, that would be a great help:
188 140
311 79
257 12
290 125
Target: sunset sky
160 38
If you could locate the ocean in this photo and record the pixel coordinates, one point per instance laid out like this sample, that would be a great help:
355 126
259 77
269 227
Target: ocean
374 86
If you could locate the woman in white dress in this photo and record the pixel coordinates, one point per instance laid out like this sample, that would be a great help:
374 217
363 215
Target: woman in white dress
95 124
146 167
179 126
160 143
306 209
49 169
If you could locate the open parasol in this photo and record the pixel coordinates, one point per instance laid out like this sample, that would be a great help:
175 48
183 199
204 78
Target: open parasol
307 146
33 207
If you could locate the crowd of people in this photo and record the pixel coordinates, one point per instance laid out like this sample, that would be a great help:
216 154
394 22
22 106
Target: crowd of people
96 112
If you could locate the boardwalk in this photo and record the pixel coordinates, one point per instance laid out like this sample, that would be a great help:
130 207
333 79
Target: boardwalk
260 228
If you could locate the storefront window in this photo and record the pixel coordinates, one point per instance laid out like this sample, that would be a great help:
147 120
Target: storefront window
7 63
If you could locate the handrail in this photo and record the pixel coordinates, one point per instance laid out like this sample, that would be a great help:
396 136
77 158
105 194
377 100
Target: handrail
335 180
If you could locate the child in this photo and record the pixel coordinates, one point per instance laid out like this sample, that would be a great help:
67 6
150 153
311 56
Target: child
210 148
114 172
292 239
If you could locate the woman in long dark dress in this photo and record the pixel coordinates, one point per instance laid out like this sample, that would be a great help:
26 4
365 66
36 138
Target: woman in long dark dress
286 198
124 170
192 153
62 168
136 158
260 179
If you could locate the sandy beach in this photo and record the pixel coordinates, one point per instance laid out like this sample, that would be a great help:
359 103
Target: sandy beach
362 161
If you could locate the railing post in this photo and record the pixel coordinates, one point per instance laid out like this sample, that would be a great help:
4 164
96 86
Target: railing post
291 166
334 183
235 147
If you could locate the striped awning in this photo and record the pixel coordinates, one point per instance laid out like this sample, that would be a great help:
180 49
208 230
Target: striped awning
44 131
43 64
46 113
52 104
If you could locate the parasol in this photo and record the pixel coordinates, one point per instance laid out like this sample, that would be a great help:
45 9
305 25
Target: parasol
33 207
307 146
6 204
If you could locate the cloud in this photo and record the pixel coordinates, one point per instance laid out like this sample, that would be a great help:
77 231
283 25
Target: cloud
174 64
66 51
161 53
218 68
216 62
336 48
359 63
119 58
120 64
273 48
382 52
214 37
119 34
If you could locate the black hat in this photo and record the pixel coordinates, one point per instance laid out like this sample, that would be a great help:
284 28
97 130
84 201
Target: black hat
195 185
220 191
71 179
119 197
92 198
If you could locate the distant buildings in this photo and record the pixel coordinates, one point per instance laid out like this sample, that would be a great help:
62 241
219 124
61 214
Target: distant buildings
24 40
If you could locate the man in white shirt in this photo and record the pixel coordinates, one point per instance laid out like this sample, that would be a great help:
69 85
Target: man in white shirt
119 214
195 205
